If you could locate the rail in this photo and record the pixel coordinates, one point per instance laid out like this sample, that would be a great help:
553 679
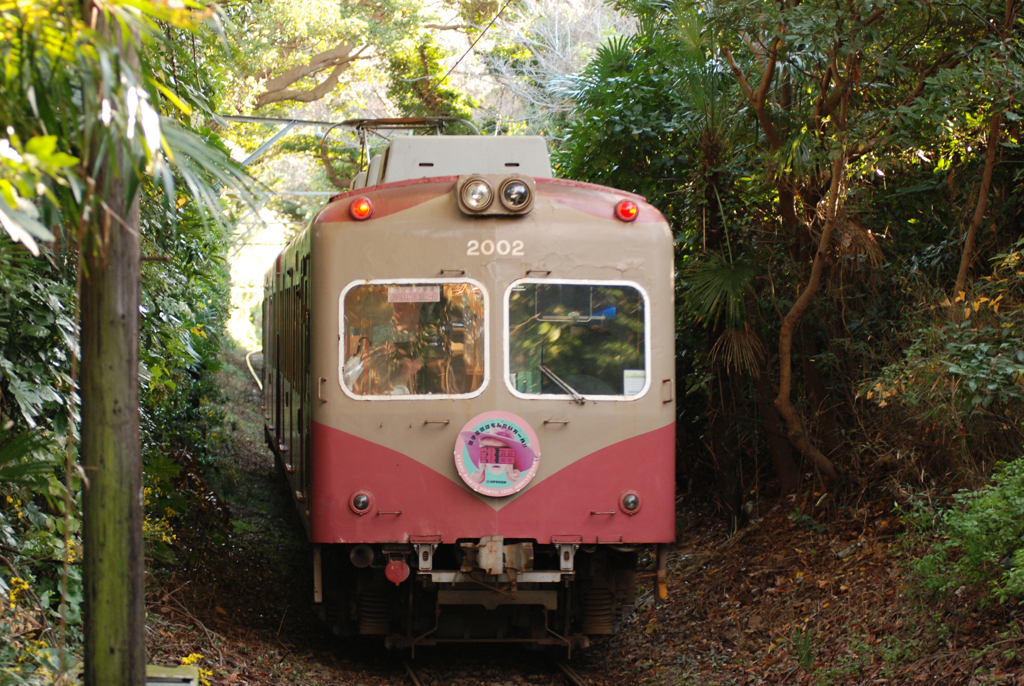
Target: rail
248 363
571 675
412 674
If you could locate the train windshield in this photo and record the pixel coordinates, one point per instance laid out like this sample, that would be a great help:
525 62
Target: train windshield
413 339
577 339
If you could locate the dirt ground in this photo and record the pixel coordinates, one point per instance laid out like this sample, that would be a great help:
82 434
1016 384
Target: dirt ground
794 598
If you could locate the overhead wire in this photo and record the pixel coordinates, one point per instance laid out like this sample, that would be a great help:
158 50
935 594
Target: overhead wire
470 49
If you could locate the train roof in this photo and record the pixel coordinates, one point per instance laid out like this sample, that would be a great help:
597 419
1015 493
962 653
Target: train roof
416 157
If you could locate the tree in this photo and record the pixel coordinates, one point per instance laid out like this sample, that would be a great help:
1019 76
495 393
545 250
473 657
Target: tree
300 52
830 126
535 54
95 62
838 57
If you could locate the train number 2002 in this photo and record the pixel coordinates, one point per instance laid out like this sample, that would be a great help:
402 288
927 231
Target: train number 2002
489 247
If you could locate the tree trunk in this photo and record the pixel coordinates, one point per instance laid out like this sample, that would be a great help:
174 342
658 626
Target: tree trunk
725 446
783 403
115 652
979 211
778 443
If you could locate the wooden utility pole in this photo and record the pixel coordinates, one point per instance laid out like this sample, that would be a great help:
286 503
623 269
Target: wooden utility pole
115 652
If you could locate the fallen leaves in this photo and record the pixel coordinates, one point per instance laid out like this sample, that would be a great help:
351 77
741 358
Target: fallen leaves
838 616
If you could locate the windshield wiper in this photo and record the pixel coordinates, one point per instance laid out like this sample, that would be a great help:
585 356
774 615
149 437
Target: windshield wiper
576 395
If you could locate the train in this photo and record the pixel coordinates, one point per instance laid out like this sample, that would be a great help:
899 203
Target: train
469 387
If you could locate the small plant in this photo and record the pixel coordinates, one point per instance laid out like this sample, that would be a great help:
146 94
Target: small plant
804 647
897 650
982 539
798 517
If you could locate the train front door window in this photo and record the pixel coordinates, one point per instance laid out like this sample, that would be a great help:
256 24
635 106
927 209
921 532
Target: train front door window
402 339
583 339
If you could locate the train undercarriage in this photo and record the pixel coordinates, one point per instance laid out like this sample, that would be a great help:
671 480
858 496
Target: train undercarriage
487 590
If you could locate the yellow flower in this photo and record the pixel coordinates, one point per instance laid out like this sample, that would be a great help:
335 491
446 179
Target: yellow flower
17 585
191 659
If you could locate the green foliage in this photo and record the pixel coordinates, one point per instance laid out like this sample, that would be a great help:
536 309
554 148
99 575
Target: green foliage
804 647
418 85
67 89
805 520
37 539
966 377
36 339
22 170
980 540
98 105
20 463
716 290
185 304
957 367
637 126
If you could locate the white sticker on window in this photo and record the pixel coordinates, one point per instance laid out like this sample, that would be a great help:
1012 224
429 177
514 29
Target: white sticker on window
633 381
414 294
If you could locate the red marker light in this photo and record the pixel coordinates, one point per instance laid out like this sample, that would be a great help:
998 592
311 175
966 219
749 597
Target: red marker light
626 211
397 571
360 209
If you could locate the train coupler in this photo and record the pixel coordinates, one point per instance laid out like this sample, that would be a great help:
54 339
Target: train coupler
492 556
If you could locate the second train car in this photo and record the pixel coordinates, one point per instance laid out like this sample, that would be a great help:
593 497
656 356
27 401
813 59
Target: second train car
469 382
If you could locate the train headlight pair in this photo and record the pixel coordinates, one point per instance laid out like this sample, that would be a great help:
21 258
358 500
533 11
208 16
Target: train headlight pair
477 194
514 194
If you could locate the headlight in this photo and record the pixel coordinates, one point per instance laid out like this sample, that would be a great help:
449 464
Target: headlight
477 195
515 194
361 502
630 503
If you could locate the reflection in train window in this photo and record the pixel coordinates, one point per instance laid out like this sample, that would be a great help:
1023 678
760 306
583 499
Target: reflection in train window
413 339
576 339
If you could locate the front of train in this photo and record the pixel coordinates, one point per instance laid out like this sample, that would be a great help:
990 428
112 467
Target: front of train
493 434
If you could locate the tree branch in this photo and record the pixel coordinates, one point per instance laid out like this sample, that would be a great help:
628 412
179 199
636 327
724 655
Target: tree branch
757 100
450 27
979 211
339 57
739 73
769 71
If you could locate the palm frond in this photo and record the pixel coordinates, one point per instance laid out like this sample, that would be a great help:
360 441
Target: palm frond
717 289
741 349
205 169
691 35
24 458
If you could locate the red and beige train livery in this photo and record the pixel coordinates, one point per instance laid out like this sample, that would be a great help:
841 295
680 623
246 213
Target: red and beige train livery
469 382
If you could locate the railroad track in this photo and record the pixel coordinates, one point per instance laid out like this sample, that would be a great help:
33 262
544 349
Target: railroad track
571 675
412 673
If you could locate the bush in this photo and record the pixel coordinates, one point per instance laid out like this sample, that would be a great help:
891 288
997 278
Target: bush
962 382
981 539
